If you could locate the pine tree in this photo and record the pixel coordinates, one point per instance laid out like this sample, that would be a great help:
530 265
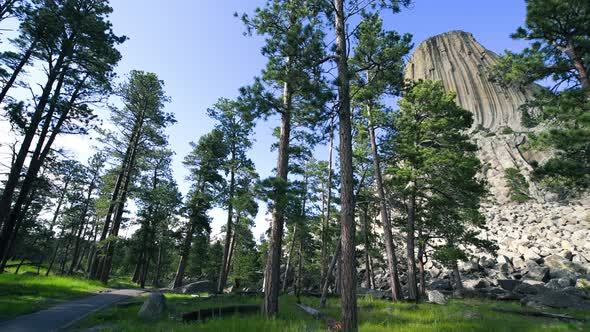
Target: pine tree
291 85
558 58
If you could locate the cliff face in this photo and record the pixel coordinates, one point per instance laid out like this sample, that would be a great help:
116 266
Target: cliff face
462 64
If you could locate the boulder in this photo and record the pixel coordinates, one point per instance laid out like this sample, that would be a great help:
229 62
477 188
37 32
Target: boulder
153 307
203 286
476 283
539 273
377 294
508 284
559 273
583 283
560 283
505 268
437 297
441 284
558 262
557 300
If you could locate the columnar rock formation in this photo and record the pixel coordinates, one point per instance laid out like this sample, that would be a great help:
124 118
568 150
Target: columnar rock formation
462 64
544 243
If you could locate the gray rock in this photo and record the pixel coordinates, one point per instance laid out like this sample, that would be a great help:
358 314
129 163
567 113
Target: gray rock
377 294
508 284
441 284
471 315
557 300
561 283
559 273
153 306
437 297
539 273
558 262
476 284
29 273
203 286
583 283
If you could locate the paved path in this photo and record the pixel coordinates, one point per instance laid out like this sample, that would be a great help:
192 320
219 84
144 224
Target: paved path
65 314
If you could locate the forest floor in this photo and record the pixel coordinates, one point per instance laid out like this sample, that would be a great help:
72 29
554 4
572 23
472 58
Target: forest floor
22 294
374 315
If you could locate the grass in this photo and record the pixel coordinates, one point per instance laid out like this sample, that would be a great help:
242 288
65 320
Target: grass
23 294
374 315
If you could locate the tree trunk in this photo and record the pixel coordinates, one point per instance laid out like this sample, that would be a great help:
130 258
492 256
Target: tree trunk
106 268
62 266
19 265
81 228
383 213
347 260
299 272
228 232
457 276
289 258
326 284
53 257
41 151
17 167
231 251
326 223
273 263
580 68
365 220
184 256
23 61
422 272
156 280
19 223
146 264
411 260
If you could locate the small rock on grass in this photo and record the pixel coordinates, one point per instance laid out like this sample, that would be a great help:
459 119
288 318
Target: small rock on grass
471 315
153 307
437 297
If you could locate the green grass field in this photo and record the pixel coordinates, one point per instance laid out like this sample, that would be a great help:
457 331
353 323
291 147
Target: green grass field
375 315
23 294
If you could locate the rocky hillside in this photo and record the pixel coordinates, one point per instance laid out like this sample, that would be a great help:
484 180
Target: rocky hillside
544 243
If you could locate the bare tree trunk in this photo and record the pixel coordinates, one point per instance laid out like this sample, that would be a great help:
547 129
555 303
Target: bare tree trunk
137 268
457 275
383 213
347 259
422 272
326 223
231 251
19 265
288 266
273 263
81 228
365 220
146 265
17 166
299 272
228 232
53 257
411 259
329 273
156 280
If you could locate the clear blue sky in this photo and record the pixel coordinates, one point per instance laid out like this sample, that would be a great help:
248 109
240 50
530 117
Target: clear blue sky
199 50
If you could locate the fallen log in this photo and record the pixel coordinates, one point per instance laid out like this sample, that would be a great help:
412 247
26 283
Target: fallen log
203 314
332 324
536 314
